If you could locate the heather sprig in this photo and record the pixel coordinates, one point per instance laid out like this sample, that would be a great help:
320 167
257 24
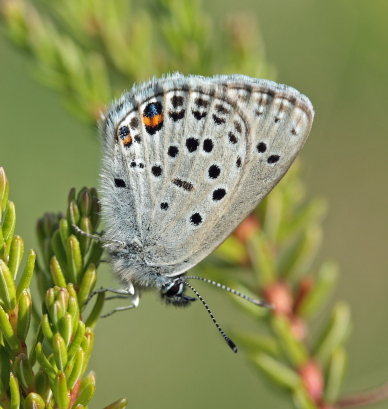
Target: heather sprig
90 52
43 365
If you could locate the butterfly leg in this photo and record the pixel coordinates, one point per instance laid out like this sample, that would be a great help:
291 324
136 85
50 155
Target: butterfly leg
127 307
127 292
118 297
90 236
98 238
122 293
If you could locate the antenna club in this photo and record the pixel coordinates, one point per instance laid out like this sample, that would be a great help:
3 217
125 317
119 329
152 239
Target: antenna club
232 345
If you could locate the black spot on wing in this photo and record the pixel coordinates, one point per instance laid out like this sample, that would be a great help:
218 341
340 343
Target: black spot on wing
176 116
237 126
217 120
208 145
176 101
232 138
221 109
214 171
273 159
120 183
192 144
156 171
172 151
199 115
201 102
196 219
219 194
261 147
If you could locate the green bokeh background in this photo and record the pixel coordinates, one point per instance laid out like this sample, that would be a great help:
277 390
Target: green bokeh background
336 52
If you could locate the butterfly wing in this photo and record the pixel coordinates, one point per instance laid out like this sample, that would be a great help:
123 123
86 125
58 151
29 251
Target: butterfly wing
192 157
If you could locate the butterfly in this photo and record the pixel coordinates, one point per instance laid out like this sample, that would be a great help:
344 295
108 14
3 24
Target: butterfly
185 160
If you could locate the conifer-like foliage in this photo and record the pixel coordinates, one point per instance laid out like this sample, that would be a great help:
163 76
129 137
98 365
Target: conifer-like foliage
90 52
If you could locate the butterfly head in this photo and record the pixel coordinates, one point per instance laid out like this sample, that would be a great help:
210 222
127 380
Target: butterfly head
173 293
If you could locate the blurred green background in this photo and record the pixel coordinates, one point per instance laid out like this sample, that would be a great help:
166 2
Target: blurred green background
336 52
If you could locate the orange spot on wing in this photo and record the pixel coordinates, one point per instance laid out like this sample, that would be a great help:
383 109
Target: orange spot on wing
127 141
154 121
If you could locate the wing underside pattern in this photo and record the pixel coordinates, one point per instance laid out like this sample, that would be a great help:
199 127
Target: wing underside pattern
193 157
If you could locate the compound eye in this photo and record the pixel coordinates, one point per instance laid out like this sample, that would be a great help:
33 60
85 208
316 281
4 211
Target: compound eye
174 290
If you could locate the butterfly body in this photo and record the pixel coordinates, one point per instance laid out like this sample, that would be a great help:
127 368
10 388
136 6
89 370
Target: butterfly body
185 160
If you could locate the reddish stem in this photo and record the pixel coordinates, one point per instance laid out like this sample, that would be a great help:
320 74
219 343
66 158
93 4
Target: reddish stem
365 398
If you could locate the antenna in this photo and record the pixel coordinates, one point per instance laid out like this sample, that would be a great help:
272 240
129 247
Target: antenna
231 344
235 292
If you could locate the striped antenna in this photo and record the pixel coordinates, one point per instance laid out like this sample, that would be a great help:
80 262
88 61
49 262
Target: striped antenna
230 290
231 344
